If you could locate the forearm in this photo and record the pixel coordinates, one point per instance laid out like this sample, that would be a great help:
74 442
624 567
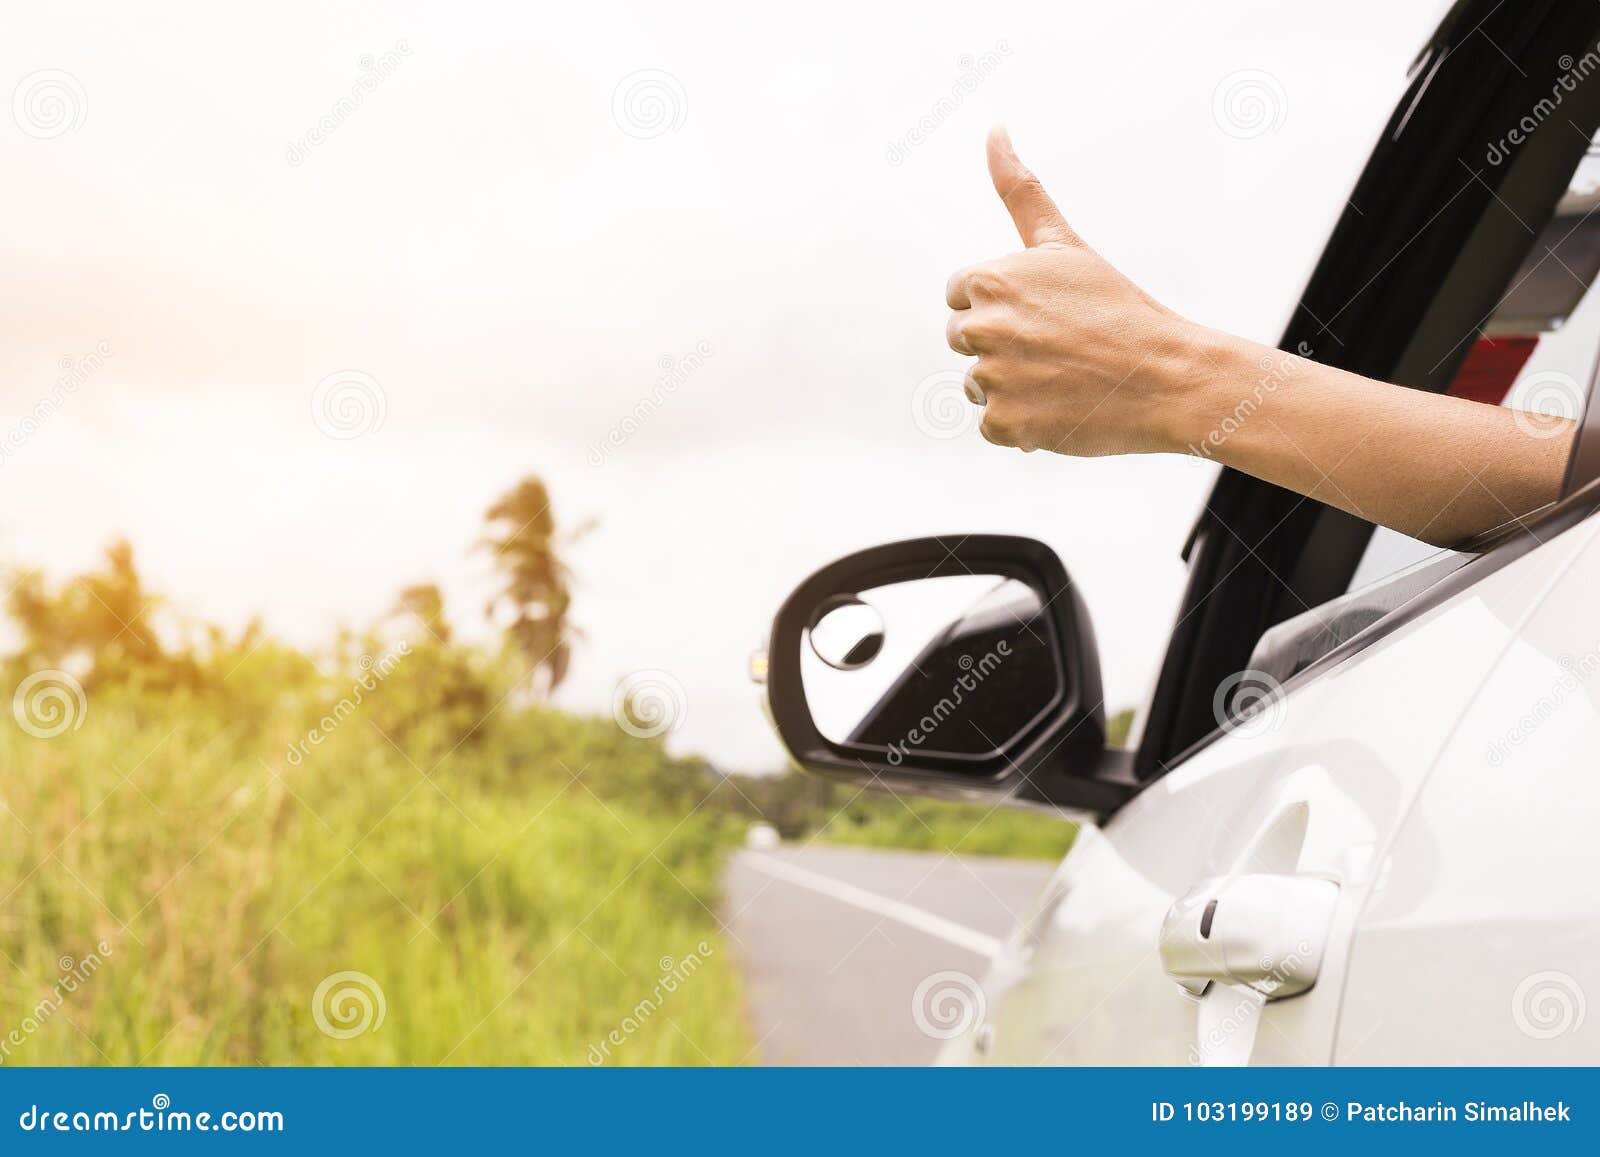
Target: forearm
1075 358
1435 467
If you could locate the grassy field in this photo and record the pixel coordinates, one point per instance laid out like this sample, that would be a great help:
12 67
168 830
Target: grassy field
507 912
541 894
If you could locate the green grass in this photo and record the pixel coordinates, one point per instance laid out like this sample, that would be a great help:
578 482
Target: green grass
937 826
511 904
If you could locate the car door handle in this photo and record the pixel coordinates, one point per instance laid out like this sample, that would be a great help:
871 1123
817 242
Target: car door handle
1264 931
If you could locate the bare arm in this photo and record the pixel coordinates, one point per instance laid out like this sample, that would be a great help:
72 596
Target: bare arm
1073 357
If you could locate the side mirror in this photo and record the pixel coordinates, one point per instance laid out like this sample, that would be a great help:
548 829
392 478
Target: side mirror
963 667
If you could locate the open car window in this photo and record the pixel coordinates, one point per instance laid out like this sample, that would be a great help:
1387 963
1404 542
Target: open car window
1537 352
1461 263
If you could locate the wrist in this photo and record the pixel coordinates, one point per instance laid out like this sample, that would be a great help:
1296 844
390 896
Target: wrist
1216 383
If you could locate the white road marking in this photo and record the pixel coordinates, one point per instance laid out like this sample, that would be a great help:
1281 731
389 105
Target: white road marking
947 930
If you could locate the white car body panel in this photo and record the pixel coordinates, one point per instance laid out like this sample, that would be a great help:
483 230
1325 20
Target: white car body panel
1372 774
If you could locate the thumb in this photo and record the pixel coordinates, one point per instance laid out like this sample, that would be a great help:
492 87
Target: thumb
1032 211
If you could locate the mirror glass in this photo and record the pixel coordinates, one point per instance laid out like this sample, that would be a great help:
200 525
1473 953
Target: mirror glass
955 665
846 633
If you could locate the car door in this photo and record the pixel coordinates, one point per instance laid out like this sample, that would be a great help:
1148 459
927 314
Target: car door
1491 877
1315 785
1311 686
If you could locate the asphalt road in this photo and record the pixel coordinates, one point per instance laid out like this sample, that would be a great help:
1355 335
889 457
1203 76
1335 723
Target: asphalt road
862 957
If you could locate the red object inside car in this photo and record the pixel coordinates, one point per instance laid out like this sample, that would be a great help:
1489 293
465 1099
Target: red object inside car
1492 366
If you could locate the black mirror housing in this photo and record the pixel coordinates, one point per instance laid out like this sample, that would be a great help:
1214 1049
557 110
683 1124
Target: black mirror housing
1034 735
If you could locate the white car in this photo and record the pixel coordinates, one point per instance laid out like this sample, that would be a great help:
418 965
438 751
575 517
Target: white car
1359 819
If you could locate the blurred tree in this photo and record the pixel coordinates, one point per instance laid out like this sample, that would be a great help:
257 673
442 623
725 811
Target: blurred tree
99 620
425 603
537 591
107 608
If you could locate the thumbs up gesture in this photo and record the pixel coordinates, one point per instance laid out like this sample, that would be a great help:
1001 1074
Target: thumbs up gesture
1072 356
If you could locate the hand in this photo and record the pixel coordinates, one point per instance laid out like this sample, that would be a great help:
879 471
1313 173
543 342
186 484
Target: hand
1072 356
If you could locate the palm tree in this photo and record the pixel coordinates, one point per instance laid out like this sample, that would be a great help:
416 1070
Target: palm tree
525 544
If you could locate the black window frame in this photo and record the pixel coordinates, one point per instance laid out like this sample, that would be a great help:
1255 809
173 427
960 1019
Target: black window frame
1387 290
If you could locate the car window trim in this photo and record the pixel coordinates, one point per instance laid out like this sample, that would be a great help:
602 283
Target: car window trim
1486 555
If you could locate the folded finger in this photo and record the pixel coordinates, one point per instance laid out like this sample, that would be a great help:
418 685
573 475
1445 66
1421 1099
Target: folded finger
955 333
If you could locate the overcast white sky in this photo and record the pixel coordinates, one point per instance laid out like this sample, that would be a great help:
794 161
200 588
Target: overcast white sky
513 232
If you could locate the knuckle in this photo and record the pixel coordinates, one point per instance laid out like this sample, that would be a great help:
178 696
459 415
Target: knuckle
978 332
987 281
996 428
955 289
1031 186
955 334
